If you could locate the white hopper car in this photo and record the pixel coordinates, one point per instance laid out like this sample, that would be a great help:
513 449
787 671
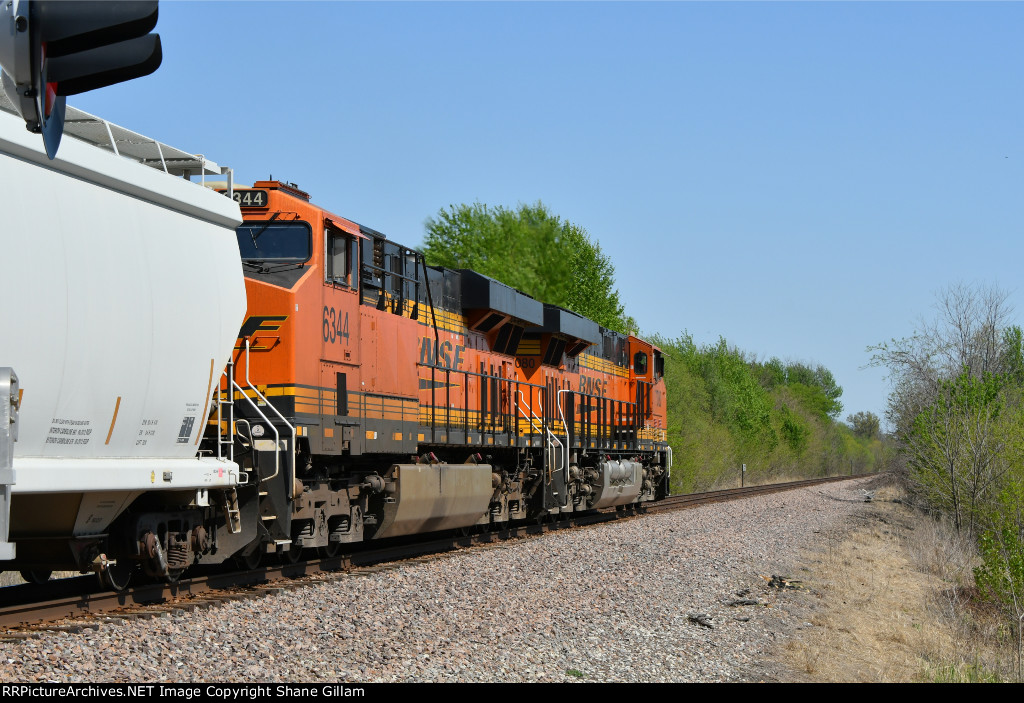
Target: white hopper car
122 298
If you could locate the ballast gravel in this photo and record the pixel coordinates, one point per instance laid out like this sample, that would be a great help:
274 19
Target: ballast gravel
615 602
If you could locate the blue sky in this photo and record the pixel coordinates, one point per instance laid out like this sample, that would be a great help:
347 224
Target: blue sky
800 178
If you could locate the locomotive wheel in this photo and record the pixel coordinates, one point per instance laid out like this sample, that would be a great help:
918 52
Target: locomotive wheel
292 555
36 577
332 549
116 577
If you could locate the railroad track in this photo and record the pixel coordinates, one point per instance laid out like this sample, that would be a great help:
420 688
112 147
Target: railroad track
693 499
78 603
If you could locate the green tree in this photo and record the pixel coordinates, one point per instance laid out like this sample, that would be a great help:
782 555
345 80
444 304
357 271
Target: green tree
817 386
1011 355
970 331
737 399
593 293
772 373
794 431
533 250
864 424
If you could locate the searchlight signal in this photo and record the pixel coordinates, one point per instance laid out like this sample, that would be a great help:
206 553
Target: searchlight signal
50 49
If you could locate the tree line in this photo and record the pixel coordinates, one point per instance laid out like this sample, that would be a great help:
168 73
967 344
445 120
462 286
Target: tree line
727 409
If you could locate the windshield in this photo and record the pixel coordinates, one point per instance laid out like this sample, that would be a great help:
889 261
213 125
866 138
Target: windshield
275 241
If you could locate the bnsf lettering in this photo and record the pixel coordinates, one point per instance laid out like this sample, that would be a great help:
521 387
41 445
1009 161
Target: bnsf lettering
593 386
261 323
449 355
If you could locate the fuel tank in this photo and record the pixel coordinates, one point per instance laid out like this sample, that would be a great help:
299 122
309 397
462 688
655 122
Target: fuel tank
431 497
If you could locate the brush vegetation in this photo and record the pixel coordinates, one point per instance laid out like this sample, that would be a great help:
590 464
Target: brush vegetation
958 409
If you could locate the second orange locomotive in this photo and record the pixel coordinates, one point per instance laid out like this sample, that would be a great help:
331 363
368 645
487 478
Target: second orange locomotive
375 396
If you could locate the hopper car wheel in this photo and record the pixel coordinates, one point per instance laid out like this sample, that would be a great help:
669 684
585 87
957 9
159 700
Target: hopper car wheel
36 577
251 559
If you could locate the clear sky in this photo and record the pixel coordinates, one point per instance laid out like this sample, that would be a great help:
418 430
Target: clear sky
799 178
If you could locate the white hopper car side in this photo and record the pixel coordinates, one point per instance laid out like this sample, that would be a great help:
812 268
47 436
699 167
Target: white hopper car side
122 298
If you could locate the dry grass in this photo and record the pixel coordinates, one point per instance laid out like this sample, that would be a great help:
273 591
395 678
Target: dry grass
898 604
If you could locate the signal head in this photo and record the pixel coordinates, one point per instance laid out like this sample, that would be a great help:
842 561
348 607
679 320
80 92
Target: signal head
50 49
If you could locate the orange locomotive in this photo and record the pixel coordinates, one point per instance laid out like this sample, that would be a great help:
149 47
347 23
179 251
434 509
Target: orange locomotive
375 396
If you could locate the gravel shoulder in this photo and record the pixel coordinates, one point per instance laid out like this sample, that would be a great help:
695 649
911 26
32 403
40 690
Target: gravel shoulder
617 602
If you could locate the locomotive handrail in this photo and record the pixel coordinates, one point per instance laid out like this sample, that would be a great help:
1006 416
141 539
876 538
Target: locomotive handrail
539 430
277 436
553 439
437 345
277 454
565 451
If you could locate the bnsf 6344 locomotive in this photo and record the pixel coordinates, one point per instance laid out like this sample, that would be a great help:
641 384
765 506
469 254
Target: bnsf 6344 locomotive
375 396
366 396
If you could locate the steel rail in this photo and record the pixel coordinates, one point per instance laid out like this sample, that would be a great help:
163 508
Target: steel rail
693 499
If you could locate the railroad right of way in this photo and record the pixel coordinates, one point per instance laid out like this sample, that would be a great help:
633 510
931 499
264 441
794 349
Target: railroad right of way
674 596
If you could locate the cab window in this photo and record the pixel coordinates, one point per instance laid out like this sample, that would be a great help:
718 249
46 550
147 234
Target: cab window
338 259
640 364
275 241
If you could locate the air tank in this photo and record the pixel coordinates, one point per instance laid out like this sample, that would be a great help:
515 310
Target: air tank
619 483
